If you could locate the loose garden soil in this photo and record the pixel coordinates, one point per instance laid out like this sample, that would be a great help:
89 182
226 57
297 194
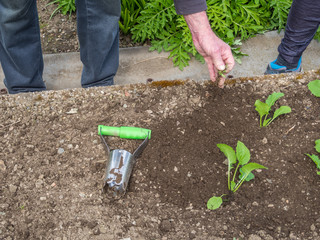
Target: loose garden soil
53 163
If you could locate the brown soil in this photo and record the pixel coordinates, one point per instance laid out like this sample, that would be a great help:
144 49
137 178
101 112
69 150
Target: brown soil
52 162
59 32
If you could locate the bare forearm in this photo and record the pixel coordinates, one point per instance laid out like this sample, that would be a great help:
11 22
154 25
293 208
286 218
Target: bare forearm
197 22
215 52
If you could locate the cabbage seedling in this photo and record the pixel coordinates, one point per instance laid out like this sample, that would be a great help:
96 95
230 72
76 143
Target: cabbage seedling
241 158
314 157
221 73
264 108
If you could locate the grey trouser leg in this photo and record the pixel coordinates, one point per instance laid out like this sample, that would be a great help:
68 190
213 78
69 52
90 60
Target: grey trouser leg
302 24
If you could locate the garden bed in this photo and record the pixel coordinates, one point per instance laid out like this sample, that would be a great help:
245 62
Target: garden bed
52 162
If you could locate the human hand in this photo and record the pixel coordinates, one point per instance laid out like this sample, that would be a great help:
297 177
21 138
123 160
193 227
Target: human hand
215 52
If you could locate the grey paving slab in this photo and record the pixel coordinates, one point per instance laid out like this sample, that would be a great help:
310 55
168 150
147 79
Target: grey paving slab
138 64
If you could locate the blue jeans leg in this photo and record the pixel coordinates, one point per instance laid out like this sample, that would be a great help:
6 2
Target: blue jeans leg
302 24
20 46
98 32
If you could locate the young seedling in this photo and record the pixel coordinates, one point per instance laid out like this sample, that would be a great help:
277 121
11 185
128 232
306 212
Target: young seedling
223 72
264 109
314 87
241 158
315 158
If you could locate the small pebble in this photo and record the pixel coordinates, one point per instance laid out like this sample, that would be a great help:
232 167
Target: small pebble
60 150
264 140
13 188
2 166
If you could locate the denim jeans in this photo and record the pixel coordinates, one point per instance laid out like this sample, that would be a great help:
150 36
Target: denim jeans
20 46
302 24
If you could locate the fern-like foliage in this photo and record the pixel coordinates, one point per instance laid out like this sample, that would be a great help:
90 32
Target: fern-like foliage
158 17
280 11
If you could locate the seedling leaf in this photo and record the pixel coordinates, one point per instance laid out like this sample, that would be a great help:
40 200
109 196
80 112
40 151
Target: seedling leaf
273 98
250 167
242 153
314 87
281 110
317 146
262 108
315 159
214 203
228 152
278 112
232 184
247 169
248 178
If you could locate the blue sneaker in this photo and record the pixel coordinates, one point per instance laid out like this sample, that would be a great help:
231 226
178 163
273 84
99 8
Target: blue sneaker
274 68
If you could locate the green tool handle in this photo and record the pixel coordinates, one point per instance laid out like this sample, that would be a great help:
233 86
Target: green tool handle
125 132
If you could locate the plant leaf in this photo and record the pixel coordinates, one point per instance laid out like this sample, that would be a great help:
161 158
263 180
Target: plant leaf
250 167
232 185
242 153
317 146
262 108
281 110
214 203
248 178
315 159
314 87
273 98
228 152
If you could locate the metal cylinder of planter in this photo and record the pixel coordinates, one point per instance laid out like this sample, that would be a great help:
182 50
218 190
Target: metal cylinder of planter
118 172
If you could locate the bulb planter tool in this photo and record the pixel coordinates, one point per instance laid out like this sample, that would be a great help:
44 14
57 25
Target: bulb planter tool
120 162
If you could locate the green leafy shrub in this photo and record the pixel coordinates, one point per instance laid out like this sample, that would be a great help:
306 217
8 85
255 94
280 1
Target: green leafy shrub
241 157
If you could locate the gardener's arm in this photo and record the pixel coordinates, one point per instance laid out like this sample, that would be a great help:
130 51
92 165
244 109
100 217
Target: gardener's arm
216 53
